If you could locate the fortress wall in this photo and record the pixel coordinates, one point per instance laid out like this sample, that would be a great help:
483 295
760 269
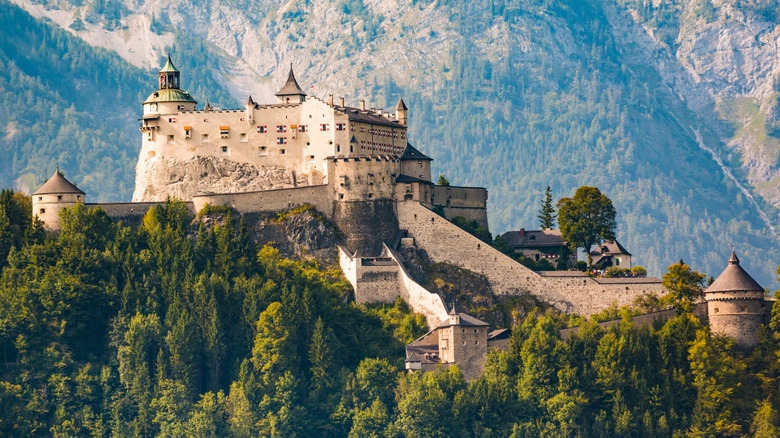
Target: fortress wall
366 224
445 242
131 213
362 178
470 213
738 319
270 200
469 202
377 284
348 265
417 297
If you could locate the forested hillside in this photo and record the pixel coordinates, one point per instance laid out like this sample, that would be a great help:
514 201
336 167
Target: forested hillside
510 95
179 329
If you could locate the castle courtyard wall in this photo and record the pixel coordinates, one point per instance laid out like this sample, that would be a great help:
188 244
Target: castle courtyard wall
270 200
445 242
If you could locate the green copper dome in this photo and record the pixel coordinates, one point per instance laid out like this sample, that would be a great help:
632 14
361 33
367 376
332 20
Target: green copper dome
169 68
169 95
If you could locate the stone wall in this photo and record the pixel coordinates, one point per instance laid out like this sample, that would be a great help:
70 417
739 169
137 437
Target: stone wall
366 225
739 319
420 299
130 213
469 202
270 200
445 242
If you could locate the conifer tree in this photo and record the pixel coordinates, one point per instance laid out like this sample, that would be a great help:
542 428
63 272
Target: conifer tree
547 213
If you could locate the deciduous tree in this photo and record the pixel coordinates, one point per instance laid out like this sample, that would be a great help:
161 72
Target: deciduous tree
587 219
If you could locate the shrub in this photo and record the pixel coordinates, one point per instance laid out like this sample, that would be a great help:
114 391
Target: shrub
639 271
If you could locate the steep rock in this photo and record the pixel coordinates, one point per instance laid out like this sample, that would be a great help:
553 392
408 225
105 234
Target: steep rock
157 178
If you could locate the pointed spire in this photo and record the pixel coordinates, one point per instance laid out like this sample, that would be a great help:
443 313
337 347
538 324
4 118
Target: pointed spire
733 260
207 107
169 67
453 312
401 105
250 102
291 87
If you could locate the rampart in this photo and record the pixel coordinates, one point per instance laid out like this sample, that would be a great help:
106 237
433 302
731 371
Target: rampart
130 213
366 224
468 202
270 200
445 242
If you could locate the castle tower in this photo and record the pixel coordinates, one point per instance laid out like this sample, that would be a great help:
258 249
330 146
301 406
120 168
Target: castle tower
290 91
415 163
463 342
735 305
401 111
169 98
54 195
250 110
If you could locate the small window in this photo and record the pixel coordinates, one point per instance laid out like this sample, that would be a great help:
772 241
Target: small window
262 130
281 128
282 151
351 148
224 132
59 197
281 140
341 126
43 210
370 195
311 157
341 196
187 132
338 148
302 128
180 107
171 139
40 198
225 150
153 107
243 137
323 126
716 310
263 151
204 139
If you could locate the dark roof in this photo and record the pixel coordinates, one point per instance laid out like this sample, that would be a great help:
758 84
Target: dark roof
57 184
250 102
367 116
290 88
610 247
533 238
401 105
423 353
411 153
734 279
207 107
411 179
467 321
499 334
168 67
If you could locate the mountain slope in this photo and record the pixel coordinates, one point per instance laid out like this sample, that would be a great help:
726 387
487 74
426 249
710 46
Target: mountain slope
517 95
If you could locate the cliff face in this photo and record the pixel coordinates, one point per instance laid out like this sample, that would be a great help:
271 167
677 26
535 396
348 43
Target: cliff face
158 178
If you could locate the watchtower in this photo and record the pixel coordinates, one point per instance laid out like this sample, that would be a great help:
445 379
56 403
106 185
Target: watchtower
735 305
463 342
54 195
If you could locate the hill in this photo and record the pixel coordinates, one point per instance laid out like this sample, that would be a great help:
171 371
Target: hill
670 117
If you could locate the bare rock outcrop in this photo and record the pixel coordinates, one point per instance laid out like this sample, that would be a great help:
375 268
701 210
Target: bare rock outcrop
158 178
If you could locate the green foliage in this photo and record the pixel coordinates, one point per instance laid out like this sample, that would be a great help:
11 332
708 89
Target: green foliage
399 319
587 219
474 228
684 285
639 271
616 272
547 213
209 209
443 181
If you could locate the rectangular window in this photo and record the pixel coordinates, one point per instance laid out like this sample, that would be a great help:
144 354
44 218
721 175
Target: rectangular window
187 131
282 151
171 139
341 126
180 107
323 126
302 128
281 140
281 128
243 137
262 130
262 151
224 131
204 139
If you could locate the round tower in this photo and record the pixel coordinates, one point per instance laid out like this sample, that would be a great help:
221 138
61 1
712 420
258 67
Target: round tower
54 195
735 305
169 98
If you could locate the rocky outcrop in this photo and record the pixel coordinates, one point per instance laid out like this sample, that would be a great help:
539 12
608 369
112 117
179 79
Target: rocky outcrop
158 178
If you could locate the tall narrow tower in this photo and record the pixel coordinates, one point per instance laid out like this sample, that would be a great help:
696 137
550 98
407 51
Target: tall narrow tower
735 305
169 98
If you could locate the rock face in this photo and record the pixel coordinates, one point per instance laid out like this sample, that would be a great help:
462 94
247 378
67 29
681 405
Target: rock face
158 178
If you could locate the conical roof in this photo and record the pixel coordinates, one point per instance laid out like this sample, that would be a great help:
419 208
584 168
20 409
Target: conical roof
250 102
290 88
207 107
411 153
401 105
734 279
168 67
57 184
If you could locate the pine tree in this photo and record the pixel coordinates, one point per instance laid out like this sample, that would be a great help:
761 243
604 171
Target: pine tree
547 214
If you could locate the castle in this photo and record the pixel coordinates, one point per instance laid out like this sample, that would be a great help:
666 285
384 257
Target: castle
357 168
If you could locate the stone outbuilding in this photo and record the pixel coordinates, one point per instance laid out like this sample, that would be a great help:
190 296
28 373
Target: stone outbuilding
461 340
541 245
610 253
736 305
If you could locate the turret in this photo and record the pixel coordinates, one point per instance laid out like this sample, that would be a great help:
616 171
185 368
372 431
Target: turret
735 305
290 91
250 111
401 111
415 164
169 98
54 195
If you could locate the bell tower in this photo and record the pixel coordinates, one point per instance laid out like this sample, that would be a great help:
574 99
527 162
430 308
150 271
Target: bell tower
169 76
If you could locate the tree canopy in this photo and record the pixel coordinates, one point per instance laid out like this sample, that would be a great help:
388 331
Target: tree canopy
587 219
547 213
